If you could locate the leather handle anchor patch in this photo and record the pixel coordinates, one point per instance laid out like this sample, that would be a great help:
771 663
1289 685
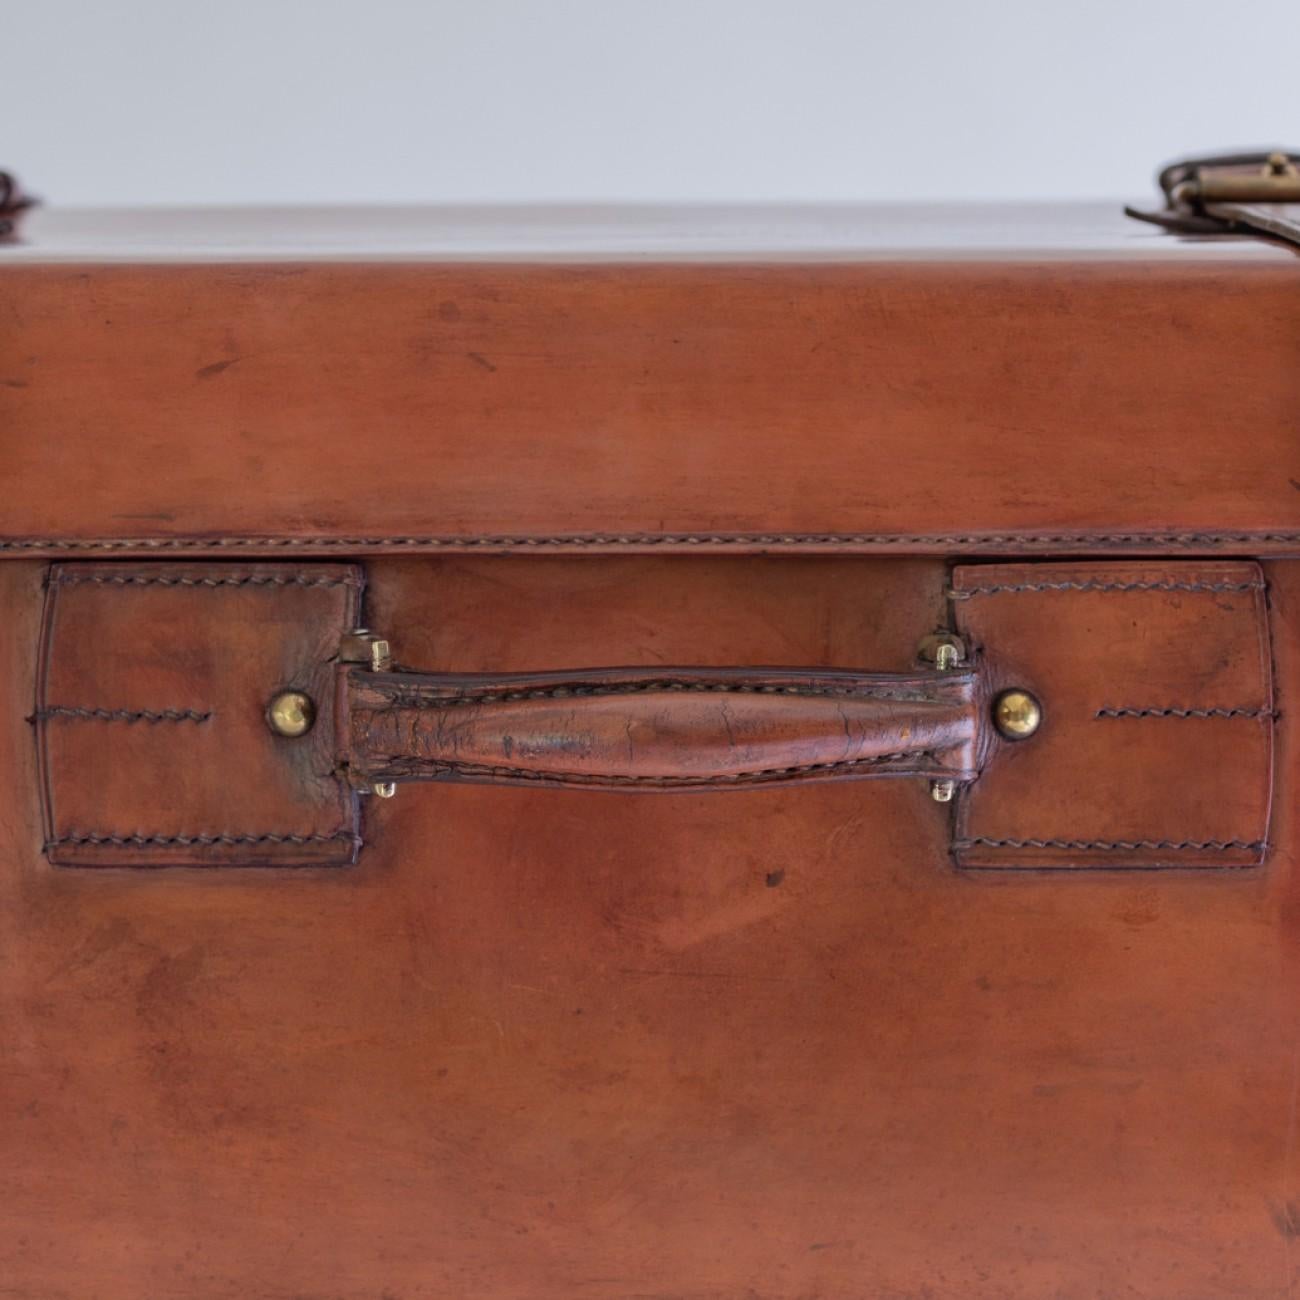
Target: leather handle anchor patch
222 714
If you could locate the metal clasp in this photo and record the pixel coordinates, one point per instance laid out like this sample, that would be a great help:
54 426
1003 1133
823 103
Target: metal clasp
1267 178
362 646
945 653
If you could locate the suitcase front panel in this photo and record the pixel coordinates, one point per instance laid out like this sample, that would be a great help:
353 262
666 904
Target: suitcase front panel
558 1043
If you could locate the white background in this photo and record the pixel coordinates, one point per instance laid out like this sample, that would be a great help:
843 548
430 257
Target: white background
235 101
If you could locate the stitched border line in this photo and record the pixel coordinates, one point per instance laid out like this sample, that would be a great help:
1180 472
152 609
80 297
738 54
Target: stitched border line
1186 713
1216 846
249 580
140 840
1090 584
123 715
642 541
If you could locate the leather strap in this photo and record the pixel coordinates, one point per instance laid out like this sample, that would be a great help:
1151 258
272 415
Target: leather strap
1231 194
668 728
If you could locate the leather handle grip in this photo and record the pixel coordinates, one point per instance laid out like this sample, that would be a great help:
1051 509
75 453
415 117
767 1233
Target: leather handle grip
663 728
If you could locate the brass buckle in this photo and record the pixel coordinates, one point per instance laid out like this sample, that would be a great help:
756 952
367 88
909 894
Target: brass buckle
1249 178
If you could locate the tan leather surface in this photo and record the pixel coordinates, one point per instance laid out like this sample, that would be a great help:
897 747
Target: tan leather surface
665 728
925 407
1156 746
151 714
553 1045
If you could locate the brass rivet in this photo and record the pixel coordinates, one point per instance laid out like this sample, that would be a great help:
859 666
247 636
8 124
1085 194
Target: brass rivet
1017 714
291 713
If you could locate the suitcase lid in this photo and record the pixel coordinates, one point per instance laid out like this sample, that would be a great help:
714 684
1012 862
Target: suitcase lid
986 380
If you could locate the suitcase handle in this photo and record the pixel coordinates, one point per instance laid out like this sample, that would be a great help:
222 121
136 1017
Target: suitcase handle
248 694
658 728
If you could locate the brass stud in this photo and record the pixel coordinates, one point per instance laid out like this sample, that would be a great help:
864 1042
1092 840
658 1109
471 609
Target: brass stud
291 713
1017 714
943 791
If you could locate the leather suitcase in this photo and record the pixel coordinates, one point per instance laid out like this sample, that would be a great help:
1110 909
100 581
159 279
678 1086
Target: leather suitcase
687 754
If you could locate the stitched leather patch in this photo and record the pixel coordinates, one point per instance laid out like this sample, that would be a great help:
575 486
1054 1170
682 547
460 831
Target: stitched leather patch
151 715
1157 737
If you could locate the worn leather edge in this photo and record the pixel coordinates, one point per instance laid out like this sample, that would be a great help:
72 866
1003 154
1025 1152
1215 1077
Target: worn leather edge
1082 542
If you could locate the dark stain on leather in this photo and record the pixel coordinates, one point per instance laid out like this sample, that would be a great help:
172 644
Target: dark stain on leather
1286 1216
211 372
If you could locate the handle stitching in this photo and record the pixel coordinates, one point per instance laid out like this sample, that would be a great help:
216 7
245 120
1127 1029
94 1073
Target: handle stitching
476 695
582 778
